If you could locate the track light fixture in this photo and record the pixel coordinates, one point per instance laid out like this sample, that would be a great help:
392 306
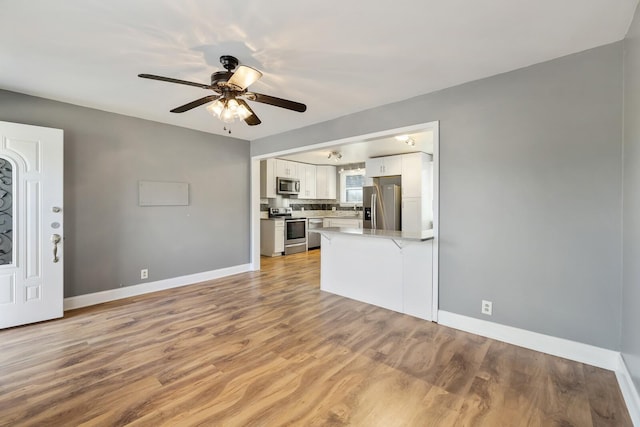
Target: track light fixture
406 139
335 155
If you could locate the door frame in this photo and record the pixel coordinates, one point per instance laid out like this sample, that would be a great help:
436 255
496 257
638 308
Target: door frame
433 126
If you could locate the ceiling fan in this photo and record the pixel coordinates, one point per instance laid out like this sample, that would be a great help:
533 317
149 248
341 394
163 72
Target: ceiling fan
230 87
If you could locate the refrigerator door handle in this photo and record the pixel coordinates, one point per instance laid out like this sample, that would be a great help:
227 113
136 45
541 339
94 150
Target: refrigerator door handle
374 208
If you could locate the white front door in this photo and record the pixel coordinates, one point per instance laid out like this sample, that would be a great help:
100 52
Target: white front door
31 227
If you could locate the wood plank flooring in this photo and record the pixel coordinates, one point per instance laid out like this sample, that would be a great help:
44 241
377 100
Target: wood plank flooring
269 348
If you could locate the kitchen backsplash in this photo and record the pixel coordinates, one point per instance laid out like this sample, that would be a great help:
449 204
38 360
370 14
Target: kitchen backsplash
312 208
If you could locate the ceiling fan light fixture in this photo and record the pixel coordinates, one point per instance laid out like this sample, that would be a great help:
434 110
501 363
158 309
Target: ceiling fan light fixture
244 77
233 105
227 116
243 112
228 110
216 107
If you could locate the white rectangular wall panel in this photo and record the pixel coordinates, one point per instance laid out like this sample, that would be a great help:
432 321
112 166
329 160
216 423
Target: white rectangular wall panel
157 193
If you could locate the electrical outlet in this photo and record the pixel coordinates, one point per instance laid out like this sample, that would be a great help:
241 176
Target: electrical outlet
144 273
487 307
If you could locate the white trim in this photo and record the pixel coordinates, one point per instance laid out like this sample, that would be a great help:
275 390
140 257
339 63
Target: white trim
629 391
254 204
79 301
579 352
435 285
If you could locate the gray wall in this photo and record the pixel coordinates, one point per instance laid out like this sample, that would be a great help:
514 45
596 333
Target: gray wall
530 191
631 212
108 237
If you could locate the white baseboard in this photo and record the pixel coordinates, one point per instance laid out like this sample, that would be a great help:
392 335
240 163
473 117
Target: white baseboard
579 352
145 288
629 391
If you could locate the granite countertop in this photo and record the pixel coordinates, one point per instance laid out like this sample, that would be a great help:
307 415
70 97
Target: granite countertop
379 234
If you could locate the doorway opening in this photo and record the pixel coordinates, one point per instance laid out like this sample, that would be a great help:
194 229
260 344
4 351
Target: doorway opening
341 146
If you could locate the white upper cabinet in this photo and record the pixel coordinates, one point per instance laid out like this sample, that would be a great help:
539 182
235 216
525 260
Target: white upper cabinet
307 175
384 166
287 169
316 182
268 178
325 182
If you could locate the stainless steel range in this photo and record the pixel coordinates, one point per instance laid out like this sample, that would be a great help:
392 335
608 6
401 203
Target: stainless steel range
295 230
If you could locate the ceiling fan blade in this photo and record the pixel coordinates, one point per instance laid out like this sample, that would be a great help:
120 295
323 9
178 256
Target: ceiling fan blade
171 80
244 77
252 120
194 104
278 102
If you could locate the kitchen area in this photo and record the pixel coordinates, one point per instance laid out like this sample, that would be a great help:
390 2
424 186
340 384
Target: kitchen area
367 207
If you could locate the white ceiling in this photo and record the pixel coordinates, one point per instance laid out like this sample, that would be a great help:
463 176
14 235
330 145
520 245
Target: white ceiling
357 152
337 57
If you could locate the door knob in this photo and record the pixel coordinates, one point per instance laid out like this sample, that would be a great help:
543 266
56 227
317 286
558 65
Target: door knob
55 239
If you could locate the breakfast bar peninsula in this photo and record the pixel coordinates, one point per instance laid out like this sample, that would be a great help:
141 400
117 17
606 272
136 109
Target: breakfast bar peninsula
389 269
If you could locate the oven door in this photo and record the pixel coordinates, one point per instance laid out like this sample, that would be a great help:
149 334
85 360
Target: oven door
295 236
295 231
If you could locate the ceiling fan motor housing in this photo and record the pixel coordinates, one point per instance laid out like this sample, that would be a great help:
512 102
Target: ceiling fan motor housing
220 77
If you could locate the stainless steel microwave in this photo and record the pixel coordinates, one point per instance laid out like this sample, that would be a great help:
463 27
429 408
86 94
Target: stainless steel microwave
288 186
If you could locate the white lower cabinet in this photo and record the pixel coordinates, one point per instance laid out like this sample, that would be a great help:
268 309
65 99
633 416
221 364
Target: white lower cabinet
271 237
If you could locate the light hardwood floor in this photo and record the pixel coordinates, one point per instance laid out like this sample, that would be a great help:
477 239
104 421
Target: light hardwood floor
269 348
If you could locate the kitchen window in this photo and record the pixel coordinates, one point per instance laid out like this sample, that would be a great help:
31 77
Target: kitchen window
351 182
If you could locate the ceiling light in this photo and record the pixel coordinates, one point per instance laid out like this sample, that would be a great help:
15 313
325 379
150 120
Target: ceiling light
228 109
406 139
335 155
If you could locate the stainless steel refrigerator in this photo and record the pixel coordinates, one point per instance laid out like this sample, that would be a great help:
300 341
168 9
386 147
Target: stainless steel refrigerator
381 206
